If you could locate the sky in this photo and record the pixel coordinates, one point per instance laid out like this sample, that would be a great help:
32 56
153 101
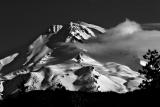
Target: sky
21 22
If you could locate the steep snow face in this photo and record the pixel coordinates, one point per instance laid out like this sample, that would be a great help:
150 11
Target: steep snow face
52 64
69 33
88 76
7 60
92 26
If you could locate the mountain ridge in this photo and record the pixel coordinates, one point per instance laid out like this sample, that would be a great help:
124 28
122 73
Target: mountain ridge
53 62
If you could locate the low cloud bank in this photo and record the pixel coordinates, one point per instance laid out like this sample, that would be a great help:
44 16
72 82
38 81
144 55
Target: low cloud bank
125 43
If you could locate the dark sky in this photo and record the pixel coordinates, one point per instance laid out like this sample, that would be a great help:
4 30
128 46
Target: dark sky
22 21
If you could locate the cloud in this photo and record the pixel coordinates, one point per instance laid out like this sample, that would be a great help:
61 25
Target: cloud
126 28
124 44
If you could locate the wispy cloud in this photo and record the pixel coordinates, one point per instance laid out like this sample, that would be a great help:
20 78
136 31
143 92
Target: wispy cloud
124 43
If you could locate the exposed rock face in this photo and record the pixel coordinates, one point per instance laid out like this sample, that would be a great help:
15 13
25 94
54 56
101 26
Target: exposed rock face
54 62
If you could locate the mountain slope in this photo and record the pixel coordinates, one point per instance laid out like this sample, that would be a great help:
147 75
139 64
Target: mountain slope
54 61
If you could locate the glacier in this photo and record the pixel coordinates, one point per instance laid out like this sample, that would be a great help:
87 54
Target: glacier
53 62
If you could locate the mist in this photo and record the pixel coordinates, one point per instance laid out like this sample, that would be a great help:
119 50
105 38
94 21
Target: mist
125 43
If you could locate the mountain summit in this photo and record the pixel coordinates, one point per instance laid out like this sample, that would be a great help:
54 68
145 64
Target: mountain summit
57 60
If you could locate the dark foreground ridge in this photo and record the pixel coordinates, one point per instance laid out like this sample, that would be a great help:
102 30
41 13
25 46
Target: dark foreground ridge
59 98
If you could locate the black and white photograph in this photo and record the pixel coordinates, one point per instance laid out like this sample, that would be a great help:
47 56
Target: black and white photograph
79 53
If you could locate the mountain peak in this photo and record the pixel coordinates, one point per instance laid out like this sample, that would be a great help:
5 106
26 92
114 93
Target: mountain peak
53 63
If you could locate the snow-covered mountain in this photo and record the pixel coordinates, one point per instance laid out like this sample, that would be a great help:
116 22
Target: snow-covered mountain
54 61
